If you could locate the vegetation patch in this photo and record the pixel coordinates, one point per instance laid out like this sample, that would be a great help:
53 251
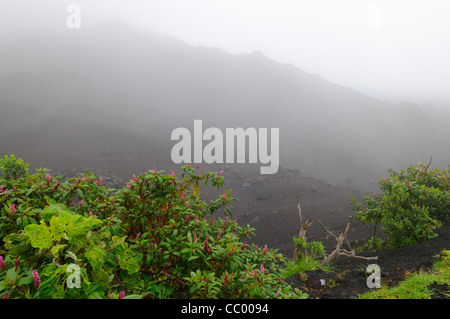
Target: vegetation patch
431 284
154 238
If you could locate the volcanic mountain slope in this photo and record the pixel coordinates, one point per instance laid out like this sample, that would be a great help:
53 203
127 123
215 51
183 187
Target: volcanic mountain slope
148 84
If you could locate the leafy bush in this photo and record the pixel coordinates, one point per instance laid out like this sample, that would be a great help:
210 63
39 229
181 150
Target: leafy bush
413 203
13 168
155 238
316 249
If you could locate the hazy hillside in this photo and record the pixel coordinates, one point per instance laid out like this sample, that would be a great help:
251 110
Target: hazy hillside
140 84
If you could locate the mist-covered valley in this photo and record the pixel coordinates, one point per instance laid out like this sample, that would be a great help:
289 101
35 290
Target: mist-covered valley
95 88
115 98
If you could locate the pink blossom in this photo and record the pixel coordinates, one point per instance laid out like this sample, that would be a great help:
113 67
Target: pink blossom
121 295
195 236
6 193
182 196
220 233
99 181
90 213
187 204
48 179
221 172
2 264
173 174
134 178
1 188
223 197
188 218
154 169
198 167
6 296
16 263
36 278
262 268
225 279
207 250
12 208
56 187
265 249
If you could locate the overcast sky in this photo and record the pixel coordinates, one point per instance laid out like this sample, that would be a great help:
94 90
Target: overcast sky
396 49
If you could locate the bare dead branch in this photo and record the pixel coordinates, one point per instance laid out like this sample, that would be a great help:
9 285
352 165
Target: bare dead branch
299 210
339 251
326 229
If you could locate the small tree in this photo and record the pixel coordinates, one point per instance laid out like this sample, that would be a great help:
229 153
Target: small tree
411 206
13 168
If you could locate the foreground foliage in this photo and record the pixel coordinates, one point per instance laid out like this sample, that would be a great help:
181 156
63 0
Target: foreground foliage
413 203
155 238
419 285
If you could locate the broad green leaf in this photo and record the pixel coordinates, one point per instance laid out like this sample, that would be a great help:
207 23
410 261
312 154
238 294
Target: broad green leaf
96 257
70 254
15 237
39 235
52 210
94 295
55 249
95 290
116 241
128 262
133 297
101 276
25 281
11 274
193 257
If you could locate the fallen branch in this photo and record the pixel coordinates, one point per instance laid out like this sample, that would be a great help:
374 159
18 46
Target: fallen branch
339 251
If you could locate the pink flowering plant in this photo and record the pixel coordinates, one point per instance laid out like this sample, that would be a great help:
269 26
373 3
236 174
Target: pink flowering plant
413 203
157 237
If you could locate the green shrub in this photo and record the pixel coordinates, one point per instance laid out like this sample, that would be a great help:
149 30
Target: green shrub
155 238
13 168
413 203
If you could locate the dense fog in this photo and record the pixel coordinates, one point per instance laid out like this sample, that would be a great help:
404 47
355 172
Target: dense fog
111 94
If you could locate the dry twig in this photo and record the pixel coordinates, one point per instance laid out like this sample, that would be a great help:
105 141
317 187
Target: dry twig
339 251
